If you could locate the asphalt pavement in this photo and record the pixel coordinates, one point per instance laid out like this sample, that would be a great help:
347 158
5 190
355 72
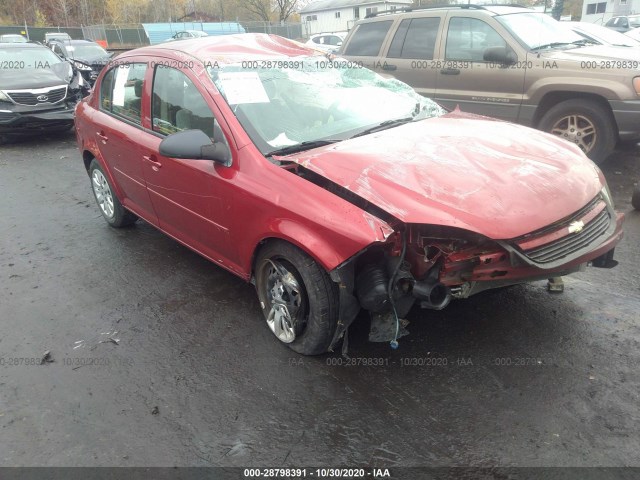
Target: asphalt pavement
159 358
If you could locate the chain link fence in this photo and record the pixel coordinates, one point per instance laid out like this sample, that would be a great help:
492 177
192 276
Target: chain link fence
121 37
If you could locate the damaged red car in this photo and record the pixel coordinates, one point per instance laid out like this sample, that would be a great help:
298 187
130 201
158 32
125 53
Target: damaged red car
331 188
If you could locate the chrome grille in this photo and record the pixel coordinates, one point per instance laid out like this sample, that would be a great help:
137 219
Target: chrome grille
573 242
31 97
569 243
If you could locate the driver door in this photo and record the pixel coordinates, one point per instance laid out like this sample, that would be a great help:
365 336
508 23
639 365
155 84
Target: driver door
467 80
191 198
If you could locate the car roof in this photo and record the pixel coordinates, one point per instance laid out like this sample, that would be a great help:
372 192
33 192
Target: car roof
489 9
74 42
230 48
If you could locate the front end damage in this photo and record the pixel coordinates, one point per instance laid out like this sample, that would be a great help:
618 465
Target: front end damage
429 265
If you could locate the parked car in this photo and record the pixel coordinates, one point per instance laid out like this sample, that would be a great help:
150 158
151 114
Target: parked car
599 35
273 162
623 23
59 36
188 34
38 91
510 63
12 38
327 42
88 57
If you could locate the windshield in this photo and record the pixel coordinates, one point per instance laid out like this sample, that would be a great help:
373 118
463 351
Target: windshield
24 58
87 51
310 99
537 30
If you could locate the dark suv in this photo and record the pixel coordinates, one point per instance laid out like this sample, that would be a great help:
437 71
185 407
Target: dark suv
38 91
509 63
88 57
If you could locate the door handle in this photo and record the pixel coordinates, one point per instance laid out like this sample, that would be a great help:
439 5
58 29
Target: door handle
155 165
102 136
388 67
450 71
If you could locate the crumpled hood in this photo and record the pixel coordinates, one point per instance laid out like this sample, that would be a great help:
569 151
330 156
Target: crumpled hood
495 178
32 78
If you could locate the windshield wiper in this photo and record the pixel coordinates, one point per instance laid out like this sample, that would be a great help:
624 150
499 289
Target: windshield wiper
551 45
383 126
299 147
584 42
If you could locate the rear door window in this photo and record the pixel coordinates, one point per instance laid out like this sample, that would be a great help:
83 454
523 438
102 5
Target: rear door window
368 38
415 38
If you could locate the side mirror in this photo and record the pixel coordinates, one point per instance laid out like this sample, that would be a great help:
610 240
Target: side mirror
501 55
196 145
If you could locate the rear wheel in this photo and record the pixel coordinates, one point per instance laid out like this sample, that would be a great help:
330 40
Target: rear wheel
584 123
110 207
298 299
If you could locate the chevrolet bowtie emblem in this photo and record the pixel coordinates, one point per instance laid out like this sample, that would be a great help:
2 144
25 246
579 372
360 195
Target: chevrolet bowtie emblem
576 227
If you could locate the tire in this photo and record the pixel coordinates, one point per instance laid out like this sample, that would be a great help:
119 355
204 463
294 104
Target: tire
112 210
585 123
635 199
287 277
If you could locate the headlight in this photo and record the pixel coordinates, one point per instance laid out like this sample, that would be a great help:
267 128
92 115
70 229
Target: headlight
82 66
4 97
636 85
606 194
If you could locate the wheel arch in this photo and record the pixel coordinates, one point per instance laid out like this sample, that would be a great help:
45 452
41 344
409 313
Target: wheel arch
319 249
551 99
87 157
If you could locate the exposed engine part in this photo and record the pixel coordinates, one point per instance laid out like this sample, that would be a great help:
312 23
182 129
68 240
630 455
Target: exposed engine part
372 288
432 294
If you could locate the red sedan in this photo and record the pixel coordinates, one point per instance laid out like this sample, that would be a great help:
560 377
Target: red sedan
331 188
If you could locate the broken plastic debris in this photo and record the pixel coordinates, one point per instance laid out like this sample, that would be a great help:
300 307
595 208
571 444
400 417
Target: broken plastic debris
46 358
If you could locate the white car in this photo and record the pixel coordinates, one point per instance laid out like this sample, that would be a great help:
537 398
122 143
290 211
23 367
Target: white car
186 34
634 34
601 35
327 42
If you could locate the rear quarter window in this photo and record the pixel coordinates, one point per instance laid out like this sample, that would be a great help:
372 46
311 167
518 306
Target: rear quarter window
368 38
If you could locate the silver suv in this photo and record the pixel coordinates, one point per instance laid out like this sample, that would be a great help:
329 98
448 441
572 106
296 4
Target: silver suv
510 63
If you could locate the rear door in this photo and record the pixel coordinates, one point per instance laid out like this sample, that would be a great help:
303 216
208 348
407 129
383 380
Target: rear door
464 78
410 55
118 125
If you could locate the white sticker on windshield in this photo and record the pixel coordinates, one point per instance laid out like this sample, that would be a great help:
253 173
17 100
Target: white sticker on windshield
118 87
243 87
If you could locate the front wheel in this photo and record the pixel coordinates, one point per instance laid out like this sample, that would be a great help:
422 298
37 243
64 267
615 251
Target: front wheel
110 207
584 123
298 299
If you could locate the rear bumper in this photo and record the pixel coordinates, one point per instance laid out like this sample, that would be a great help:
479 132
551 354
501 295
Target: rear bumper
627 115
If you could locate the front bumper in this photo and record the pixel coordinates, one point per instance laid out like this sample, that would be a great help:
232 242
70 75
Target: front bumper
627 115
15 121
